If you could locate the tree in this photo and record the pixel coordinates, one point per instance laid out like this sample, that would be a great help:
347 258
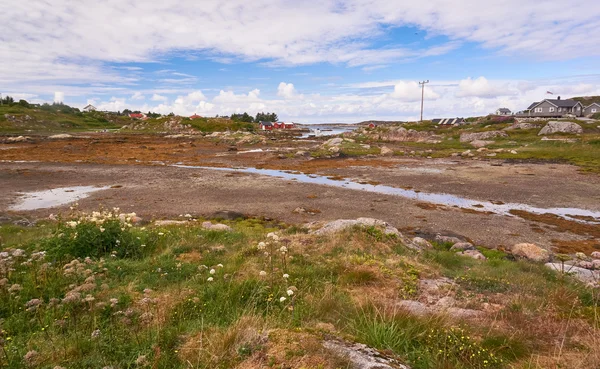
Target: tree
24 103
246 118
266 117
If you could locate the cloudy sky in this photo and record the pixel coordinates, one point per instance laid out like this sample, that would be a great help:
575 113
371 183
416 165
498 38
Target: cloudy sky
310 61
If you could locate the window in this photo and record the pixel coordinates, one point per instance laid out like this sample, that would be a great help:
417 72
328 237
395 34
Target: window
559 110
538 110
593 110
551 110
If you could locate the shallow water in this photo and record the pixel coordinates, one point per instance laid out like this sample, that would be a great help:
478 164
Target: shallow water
54 197
434 198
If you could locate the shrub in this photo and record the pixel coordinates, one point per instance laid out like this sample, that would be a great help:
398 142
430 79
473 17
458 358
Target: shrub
99 234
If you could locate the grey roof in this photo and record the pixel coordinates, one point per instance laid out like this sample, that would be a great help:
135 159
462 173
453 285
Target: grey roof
448 121
266 123
532 105
563 103
504 110
594 103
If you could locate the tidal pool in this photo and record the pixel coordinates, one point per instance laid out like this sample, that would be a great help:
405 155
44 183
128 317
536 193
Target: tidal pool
54 197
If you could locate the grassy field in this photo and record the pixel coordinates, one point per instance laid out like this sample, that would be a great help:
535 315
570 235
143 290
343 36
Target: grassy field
93 290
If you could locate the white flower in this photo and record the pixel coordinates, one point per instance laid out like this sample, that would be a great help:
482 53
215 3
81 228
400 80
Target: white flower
261 245
262 273
283 249
220 265
286 276
102 229
282 299
71 224
212 271
210 279
160 234
290 292
273 236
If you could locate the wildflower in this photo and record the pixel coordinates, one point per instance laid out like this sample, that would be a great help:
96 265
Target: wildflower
141 360
102 229
283 249
33 304
15 288
18 253
161 234
202 267
262 273
113 302
282 299
290 292
261 246
146 317
96 334
210 279
89 298
71 224
273 236
286 276
30 357
220 265
212 271
71 298
147 291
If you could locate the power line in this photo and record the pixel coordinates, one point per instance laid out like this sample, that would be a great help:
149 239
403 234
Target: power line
422 96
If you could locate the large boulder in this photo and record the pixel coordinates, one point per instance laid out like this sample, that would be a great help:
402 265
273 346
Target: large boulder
591 277
531 252
480 143
481 136
560 127
523 125
361 356
333 141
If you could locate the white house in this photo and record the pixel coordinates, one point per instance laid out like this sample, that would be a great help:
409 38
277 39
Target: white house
89 108
503 111
591 109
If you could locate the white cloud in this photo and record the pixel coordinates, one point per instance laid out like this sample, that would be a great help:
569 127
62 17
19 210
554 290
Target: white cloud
481 87
286 90
411 91
137 96
157 97
59 97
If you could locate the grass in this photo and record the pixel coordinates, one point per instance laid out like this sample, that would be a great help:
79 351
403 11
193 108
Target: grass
205 299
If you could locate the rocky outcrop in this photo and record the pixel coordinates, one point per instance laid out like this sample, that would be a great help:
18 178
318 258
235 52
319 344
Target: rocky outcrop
475 254
481 143
60 136
342 224
522 126
560 127
591 277
481 136
531 252
216 227
361 356
170 222
386 151
462 246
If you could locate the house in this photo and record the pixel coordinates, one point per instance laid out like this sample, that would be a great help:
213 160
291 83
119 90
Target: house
195 116
278 125
448 121
591 109
265 126
288 125
372 125
137 115
503 111
555 108
89 108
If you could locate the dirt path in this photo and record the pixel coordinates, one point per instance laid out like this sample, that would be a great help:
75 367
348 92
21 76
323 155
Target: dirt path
159 191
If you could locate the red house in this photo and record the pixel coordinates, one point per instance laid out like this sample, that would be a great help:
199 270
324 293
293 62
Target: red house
288 125
137 115
265 126
372 125
195 116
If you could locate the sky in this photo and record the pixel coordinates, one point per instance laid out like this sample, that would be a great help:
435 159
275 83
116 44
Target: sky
310 61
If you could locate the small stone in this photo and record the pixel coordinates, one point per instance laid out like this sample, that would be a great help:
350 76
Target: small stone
472 254
595 255
462 246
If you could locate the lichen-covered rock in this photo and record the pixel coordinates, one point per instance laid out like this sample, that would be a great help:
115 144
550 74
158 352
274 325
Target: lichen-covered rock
591 277
462 246
386 151
475 254
341 224
362 356
531 252
560 127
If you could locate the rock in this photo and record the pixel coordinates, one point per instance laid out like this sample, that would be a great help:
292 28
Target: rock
169 222
447 239
216 227
444 305
341 224
491 154
60 136
333 142
596 264
460 313
481 143
595 255
462 246
475 254
531 252
361 356
302 153
386 151
414 307
562 127
18 139
334 149
421 243
584 275
522 126
513 151
299 210
481 136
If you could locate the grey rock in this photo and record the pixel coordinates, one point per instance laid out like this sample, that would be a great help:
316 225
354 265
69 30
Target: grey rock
522 126
462 246
584 275
341 224
216 227
362 356
481 136
421 243
386 151
228 215
481 143
447 239
531 252
170 222
560 127
472 254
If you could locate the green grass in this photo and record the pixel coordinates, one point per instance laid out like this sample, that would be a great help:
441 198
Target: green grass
114 308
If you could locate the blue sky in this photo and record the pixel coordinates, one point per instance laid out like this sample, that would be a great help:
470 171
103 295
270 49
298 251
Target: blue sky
310 61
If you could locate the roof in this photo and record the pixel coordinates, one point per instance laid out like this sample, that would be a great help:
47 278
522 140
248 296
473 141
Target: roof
594 103
195 116
504 110
266 123
448 121
136 115
90 106
568 103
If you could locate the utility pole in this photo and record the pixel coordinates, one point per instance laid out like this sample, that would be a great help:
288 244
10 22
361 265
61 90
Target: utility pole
422 96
